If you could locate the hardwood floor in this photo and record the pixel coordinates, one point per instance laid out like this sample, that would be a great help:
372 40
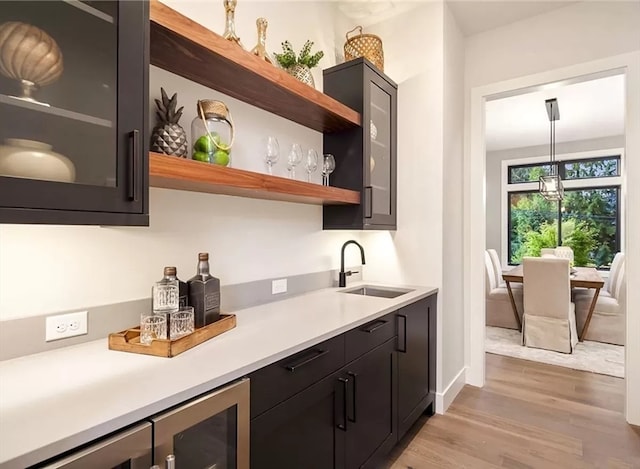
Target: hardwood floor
528 415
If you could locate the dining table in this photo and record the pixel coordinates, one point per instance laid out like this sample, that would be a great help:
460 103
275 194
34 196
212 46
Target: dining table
581 277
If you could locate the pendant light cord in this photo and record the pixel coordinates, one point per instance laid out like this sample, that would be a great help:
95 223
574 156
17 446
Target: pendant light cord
552 145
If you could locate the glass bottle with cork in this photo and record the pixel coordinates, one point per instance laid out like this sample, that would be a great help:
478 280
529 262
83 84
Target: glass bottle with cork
204 293
166 293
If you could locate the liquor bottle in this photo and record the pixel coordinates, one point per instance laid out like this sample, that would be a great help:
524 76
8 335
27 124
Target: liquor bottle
204 293
166 293
183 289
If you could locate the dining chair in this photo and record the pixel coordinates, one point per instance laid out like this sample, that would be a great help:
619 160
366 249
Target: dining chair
551 252
564 252
610 283
608 322
499 312
549 320
497 267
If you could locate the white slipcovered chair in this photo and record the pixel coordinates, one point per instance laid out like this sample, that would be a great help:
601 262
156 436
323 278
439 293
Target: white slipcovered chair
497 267
608 321
549 320
564 252
579 294
548 252
499 312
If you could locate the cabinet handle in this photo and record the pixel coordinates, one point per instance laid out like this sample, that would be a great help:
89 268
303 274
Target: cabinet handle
402 349
315 354
345 385
368 202
374 326
353 395
134 139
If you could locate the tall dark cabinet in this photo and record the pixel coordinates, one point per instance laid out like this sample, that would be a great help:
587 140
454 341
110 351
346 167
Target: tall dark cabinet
73 100
366 159
416 361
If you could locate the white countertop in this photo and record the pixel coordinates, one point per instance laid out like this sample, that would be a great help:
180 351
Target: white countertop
54 401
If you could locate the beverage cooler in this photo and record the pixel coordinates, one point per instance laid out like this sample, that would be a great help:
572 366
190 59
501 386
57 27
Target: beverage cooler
209 432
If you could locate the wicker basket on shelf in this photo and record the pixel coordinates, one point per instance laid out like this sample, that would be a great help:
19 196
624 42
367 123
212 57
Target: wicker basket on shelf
368 46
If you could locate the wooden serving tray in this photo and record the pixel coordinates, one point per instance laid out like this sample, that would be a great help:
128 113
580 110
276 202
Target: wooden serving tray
129 340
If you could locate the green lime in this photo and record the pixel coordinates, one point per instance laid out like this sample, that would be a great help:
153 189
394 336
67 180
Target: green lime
205 143
221 158
201 156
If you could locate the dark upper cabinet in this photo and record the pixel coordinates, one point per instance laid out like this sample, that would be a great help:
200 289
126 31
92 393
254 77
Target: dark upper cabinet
416 361
365 156
73 101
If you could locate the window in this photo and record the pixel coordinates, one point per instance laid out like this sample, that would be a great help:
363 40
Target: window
587 219
591 168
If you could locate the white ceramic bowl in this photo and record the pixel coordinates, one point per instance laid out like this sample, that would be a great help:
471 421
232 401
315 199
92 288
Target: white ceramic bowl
34 160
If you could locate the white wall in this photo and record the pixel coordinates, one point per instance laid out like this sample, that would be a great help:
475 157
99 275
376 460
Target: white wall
577 33
495 232
414 252
79 267
427 247
558 45
452 223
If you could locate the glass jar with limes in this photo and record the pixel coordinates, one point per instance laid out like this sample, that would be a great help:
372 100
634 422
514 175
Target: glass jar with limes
212 133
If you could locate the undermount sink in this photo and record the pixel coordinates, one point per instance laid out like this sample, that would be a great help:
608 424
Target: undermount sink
382 292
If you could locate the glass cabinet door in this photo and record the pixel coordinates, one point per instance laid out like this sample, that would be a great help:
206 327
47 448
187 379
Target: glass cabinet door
68 139
380 168
211 432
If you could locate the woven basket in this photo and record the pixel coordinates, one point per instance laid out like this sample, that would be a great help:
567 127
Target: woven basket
368 46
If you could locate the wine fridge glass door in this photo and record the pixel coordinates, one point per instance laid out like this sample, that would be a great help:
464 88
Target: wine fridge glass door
129 449
211 432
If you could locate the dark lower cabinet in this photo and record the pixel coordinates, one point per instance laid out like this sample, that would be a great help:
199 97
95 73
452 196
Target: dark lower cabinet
350 418
345 421
305 431
371 409
416 361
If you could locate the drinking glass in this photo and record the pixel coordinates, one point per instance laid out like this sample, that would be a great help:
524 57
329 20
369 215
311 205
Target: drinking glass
152 326
181 322
272 153
311 163
328 165
294 159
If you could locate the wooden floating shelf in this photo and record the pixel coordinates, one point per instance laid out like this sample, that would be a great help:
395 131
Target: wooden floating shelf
186 48
170 172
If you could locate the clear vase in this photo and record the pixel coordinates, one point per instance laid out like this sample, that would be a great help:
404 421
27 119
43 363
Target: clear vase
212 133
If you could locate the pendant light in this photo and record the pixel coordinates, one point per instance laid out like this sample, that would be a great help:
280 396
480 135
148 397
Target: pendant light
551 185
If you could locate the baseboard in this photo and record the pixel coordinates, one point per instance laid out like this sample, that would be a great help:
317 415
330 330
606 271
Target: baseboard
444 399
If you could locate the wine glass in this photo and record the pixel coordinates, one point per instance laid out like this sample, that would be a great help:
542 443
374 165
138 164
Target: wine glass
272 153
328 165
311 163
294 159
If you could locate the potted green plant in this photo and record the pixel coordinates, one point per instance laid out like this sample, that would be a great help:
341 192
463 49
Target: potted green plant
299 66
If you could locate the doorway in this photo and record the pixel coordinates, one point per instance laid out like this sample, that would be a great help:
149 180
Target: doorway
475 209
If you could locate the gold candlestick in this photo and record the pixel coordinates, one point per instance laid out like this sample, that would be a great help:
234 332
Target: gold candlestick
230 26
261 48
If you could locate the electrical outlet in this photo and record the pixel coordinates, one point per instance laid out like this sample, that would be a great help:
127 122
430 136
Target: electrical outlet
66 325
279 286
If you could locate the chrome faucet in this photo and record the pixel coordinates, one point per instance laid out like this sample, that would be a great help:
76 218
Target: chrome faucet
342 277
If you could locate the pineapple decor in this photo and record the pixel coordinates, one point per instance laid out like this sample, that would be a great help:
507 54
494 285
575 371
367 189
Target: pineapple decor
168 136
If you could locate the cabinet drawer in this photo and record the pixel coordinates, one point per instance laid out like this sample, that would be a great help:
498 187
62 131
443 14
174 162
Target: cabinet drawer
281 380
360 340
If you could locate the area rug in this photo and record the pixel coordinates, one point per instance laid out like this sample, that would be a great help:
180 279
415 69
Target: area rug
604 359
